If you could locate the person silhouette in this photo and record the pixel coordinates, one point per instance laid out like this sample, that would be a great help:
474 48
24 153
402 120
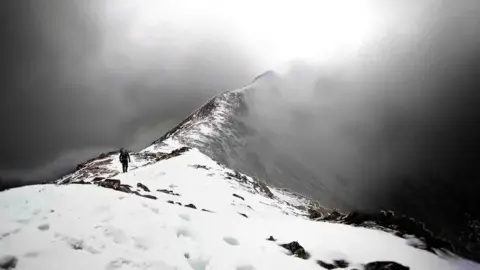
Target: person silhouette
124 159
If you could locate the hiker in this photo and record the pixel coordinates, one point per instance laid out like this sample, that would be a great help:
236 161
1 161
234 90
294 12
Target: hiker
124 159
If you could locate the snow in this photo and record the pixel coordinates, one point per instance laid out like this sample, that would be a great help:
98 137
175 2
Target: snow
89 227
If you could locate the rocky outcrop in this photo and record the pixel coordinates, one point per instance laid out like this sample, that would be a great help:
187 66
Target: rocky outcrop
81 182
8 262
196 166
115 184
271 238
326 265
143 187
341 263
401 226
385 266
110 183
257 186
169 192
148 196
191 206
99 157
174 153
296 249
335 265
238 196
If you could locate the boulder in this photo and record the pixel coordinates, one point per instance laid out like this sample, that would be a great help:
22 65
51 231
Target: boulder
271 238
191 206
143 187
326 265
8 262
110 183
296 249
238 196
81 182
148 196
384 265
341 263
167 191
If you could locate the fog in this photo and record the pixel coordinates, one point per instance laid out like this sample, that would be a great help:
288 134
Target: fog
79 78
393 117
394 126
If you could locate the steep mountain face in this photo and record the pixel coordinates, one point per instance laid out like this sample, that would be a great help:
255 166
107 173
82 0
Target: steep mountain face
226 128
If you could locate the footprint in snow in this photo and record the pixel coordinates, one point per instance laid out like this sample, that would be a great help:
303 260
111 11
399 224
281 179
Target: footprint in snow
44 227
184 217
32 254
185 232
230 240
117 235
77 244
23 221
245 267
197 263
121 263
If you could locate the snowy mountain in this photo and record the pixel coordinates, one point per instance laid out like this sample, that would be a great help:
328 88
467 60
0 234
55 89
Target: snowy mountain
182 210
204 196
226 129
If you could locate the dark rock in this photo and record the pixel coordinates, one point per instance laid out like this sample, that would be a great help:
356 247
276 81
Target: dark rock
196 166
178 203
170 192
341 263
385 266
124 188
110 183
81 182
205 210
148 196
271 238
170 202
326 265
191 206
174 153
8 262
243 215
238 196
314 213
142 186
401 226
296 249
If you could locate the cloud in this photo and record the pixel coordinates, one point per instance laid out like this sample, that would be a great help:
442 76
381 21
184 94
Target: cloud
92 74
396 121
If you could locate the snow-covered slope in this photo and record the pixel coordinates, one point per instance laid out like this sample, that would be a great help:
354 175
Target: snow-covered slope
85 226
226 129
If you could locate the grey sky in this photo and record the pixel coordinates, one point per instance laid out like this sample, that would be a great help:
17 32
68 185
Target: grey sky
75 84
85 77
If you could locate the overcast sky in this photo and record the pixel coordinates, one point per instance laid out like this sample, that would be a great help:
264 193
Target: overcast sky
83 77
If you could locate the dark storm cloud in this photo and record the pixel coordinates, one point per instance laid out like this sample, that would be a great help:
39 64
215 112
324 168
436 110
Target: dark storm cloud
397 125
75 84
